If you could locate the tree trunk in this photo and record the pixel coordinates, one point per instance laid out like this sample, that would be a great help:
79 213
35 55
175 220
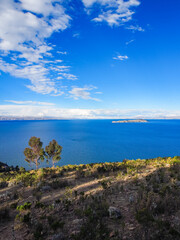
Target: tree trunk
36 161
36 164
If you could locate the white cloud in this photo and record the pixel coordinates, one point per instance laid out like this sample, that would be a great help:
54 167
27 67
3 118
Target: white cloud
121 58
22 30
114 12
30 103
25 26
69 76
135 28
131 41
76 35
37 74
58 61
49 111
82 93
64 53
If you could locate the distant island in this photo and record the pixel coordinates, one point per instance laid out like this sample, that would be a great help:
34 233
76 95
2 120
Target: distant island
131 121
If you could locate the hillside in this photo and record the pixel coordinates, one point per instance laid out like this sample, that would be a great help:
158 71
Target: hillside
129 200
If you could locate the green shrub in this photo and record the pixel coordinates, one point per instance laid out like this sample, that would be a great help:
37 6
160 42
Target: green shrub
22 170
38 232
105 183
94 227
27 178
57 224
57 201
80 173
40 205
59 184
37 194
26 218
14 205
3 184
54 223
144 216
25 206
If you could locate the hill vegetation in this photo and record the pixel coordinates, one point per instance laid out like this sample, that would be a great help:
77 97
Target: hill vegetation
133 199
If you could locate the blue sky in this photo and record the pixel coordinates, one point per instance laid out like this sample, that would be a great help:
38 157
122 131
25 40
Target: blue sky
90 58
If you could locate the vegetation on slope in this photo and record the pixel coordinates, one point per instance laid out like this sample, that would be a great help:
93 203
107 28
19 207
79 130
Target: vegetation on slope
137 199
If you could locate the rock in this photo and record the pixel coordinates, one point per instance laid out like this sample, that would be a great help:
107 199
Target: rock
153 205
58 236
112 234
131 228
20 184
77 221
176 224
74 233
178 183
39 184
34 221
5 196
11 184
157 179
114 212
46 188
131 198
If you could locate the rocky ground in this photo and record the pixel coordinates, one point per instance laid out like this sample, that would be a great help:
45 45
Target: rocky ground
129 200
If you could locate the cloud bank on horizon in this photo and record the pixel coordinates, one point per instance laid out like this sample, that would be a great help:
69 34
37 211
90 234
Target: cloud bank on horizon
48 110
26 28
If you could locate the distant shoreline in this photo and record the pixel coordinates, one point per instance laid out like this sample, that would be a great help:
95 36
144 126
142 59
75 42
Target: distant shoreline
28 118
3 118
131 121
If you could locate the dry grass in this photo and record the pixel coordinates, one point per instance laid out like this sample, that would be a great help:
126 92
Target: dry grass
73 201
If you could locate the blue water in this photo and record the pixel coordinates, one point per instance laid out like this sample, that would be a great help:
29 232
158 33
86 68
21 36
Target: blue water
89 141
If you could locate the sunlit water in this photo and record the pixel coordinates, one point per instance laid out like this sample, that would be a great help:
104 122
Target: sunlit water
89 141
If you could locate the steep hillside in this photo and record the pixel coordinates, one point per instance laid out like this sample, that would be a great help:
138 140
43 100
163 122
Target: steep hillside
129 200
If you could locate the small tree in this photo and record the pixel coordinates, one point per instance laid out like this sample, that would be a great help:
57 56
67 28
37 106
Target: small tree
53 152
35 153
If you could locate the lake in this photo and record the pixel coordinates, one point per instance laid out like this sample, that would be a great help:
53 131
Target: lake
90 141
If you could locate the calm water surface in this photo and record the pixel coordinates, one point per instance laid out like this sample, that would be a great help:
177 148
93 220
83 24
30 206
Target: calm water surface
88 141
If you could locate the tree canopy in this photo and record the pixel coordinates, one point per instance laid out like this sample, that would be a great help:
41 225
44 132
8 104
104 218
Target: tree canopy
35 152
53 152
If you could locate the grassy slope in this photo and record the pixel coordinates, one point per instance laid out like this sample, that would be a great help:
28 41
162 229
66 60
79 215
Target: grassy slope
72 202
